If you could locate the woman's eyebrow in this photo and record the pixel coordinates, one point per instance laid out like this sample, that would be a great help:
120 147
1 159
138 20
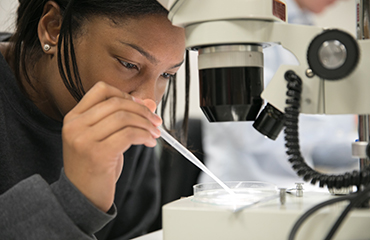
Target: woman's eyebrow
147 55
177 65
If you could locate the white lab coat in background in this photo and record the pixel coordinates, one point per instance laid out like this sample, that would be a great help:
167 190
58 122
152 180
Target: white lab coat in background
235 151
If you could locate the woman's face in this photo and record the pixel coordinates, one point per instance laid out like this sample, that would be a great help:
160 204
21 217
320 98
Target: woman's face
135 55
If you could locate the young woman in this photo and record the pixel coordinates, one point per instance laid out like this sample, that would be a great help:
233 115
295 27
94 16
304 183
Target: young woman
79 82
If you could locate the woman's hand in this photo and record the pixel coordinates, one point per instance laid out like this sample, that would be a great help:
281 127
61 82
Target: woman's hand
96 133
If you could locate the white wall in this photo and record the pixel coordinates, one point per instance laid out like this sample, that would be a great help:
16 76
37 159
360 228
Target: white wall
7 14
341 15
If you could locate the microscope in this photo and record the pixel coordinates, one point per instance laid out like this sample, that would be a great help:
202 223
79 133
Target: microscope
331 78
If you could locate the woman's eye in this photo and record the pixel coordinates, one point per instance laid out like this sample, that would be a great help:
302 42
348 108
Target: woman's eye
128 65
167 75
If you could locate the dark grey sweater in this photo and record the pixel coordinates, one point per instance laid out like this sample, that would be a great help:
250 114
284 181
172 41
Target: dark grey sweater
37 201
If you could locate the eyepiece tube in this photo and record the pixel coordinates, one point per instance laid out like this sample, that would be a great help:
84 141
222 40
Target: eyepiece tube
270 122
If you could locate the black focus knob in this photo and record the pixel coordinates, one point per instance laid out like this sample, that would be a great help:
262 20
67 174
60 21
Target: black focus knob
333 54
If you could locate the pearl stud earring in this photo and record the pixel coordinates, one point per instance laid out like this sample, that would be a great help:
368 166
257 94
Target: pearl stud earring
47 47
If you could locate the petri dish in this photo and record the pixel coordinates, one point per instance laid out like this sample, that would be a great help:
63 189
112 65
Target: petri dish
247 193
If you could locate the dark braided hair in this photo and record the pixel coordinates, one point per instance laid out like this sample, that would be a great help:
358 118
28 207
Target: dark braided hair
26 46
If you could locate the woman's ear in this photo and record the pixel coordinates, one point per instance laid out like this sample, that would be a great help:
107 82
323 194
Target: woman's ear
49 27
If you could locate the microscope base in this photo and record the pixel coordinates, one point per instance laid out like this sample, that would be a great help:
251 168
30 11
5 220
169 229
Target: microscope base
186 219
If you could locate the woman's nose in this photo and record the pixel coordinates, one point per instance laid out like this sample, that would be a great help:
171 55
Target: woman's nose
148 96
150 90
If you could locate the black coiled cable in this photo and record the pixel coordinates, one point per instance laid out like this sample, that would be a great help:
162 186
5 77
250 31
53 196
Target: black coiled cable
292 110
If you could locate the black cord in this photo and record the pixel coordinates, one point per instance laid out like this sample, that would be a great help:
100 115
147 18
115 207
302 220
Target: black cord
354 199
347 179
292 111
311 211
355 202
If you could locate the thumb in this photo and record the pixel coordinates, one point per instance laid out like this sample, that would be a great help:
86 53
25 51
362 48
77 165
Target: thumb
149 103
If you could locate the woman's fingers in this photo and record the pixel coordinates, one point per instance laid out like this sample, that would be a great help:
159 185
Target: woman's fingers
98 93
105 110
96 133
118 121
149 103
116 104
106 101
118 141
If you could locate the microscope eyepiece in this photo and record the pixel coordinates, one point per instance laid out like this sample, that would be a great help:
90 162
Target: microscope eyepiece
270 122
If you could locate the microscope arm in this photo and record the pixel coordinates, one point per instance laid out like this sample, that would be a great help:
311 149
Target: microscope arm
347 95
220 22
229 36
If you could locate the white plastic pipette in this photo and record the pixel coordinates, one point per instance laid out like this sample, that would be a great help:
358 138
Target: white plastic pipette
191 157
